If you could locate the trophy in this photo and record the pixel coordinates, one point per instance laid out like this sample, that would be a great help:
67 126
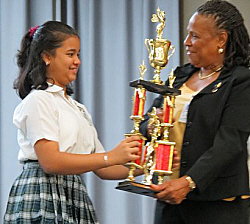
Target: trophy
157 155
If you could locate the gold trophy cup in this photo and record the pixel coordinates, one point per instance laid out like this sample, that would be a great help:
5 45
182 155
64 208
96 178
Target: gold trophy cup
159 48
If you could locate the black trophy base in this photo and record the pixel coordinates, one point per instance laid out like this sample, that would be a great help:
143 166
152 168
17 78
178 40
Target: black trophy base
137 188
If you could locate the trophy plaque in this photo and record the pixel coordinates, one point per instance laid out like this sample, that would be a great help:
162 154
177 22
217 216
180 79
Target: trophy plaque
156 153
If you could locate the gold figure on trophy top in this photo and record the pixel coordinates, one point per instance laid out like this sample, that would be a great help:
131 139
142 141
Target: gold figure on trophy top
159 17
143 69
171 78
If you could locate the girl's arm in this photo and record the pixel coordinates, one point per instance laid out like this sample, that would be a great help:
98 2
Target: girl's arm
116 172
121 172
55 162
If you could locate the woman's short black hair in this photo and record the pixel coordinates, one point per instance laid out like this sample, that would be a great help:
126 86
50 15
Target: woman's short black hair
32 69
227 17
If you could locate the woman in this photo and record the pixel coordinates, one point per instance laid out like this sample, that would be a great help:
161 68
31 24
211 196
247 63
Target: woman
212 123
56 135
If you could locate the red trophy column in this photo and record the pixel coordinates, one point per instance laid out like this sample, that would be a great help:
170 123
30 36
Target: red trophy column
139 99
164 149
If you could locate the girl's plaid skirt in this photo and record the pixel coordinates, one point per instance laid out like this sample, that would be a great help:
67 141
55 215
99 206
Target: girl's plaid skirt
37 197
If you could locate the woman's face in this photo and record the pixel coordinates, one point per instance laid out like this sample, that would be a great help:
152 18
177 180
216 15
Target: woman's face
202 42
64 65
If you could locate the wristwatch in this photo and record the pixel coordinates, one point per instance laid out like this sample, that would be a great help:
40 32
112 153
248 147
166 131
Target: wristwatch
191 183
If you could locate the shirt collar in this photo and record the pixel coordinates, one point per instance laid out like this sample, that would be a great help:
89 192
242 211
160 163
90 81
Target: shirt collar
53 88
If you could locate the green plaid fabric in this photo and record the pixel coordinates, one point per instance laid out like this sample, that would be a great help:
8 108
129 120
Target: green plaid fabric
37 197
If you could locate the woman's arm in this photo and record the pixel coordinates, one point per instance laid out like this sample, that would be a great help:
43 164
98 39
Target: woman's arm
55 162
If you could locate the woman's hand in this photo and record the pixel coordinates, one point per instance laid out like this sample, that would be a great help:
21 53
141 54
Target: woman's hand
159 113
173 191
127 150
176 159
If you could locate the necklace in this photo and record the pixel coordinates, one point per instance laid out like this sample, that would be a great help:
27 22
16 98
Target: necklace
210 74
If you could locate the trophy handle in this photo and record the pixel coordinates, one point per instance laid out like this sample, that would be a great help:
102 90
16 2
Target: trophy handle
172 48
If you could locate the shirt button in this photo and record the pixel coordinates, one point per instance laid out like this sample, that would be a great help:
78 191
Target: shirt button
189 124
184 164
185 143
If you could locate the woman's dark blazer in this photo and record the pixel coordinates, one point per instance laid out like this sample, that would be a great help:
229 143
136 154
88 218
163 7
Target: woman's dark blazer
214 149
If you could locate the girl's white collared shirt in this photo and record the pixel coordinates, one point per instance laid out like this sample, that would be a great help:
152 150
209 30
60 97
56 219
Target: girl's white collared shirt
48 114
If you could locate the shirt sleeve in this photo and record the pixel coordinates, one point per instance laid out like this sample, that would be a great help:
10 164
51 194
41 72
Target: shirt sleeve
98 145
37 117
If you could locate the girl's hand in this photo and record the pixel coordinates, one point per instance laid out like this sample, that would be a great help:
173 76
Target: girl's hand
127 150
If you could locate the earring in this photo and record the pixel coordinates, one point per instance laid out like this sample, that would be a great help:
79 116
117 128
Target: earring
220 50
47 63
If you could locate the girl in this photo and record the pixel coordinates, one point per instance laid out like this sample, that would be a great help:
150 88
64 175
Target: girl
56 135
